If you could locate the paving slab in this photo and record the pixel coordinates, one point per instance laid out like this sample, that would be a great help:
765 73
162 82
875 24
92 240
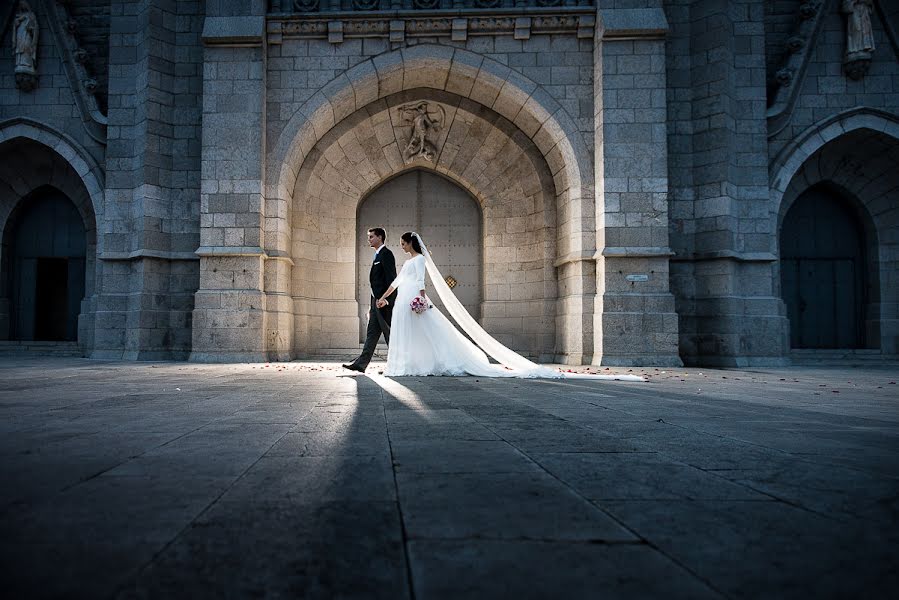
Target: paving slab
148 480
487 569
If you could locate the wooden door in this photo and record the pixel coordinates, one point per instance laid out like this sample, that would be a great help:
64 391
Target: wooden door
823 272
48 249
448 220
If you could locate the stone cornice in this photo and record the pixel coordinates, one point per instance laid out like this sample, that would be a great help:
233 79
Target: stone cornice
632 23
573 257
221 251
727 255
458 24
140 254
634 252
233 31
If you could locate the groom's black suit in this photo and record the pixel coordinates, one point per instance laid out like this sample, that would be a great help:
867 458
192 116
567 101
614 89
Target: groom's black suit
382 274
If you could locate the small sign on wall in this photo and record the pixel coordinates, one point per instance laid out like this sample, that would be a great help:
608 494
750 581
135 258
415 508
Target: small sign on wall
637 277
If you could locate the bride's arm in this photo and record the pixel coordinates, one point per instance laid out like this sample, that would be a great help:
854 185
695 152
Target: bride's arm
420 277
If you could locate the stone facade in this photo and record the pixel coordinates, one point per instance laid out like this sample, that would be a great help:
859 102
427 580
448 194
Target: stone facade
633 163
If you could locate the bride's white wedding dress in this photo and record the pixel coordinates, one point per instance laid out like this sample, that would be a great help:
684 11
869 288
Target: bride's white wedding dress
429 344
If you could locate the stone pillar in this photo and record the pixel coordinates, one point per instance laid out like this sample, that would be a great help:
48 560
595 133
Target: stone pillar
634 318
229 313
724 275
148 270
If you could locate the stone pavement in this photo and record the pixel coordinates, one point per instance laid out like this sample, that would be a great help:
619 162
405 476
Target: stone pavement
296 480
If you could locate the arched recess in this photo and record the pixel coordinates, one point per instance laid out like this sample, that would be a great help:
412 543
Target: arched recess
33 156
858 166
535 116
479 151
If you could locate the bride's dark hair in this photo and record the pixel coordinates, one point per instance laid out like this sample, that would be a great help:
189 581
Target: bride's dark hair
412 240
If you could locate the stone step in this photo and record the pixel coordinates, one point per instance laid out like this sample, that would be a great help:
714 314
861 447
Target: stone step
39 348
842 357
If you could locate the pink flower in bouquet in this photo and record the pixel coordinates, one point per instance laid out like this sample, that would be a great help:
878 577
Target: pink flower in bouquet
419 305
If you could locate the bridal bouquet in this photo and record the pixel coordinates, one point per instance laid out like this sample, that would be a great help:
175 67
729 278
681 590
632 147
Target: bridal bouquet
419 305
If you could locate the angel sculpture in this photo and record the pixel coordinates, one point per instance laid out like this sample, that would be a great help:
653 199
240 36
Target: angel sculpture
424 122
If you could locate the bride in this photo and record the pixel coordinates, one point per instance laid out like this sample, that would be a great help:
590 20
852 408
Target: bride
425 342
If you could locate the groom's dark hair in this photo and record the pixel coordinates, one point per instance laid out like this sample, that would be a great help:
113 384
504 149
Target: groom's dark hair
379 232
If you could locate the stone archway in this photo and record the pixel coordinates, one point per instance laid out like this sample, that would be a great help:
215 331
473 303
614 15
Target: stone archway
482 153
533 119
859 166
34 157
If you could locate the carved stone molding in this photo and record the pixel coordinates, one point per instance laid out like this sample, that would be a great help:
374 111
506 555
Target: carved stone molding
789 76
456 26
784 77
74 60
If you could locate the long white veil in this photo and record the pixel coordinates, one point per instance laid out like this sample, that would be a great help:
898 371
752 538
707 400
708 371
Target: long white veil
508 358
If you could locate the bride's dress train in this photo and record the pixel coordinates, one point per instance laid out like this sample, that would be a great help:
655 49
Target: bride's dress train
429 344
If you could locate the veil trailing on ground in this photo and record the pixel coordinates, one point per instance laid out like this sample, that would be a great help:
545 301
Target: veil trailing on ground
508 358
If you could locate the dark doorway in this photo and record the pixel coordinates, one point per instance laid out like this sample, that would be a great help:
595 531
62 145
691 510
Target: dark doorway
51 292
46 245
824 272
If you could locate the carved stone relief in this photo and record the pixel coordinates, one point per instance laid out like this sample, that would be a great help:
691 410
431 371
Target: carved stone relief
425 122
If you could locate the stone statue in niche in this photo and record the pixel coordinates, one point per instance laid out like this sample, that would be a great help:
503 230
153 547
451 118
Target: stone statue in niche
424 123
25 37
859 37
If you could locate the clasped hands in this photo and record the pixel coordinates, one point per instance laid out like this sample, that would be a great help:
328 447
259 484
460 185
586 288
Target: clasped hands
381 303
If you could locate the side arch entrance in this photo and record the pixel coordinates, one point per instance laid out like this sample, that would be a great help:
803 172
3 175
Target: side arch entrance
448 220
824 271
45 247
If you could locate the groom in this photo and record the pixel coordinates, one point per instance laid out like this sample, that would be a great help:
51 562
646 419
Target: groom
382 274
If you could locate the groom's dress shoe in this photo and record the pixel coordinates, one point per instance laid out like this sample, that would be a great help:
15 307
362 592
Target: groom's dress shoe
354 368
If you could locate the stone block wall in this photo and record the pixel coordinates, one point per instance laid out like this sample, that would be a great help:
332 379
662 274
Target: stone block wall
151 222
634 313
722 230
230 311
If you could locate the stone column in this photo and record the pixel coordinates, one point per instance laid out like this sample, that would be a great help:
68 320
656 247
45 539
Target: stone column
229 308
634 318
148 270
724 275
